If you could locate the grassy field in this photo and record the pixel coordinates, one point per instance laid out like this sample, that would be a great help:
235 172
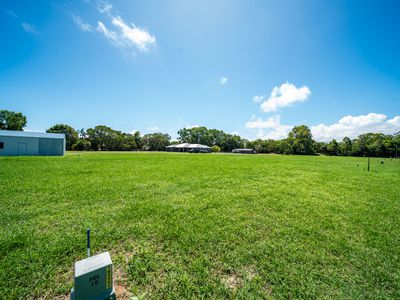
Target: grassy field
183 226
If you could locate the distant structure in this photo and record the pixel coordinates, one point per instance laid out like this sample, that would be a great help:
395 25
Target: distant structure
26 143
244 151
186 147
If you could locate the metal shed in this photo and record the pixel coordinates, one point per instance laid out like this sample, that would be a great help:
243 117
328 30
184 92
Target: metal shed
26 143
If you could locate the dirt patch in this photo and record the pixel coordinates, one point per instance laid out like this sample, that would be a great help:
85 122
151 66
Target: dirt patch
121 292
232 281
250 272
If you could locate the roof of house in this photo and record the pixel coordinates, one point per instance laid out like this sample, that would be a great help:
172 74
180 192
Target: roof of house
187 145
32 134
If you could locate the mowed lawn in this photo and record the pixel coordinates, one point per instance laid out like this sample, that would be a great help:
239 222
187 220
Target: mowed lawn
183 226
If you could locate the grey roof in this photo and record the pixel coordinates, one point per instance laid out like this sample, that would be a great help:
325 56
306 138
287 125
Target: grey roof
32 134
187 145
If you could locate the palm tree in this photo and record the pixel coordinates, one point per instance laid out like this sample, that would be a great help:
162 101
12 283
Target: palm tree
82 133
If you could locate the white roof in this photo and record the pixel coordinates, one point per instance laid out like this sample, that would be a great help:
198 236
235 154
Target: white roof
32 134
187 145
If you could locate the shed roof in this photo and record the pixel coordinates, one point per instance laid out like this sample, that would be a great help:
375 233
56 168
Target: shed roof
32 134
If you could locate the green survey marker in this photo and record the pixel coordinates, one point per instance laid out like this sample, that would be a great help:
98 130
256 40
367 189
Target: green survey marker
93 277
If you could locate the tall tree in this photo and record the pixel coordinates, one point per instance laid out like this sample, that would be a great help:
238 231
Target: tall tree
138 139
155 141
346 146
71 135
300 140
10 120
333 148
103 138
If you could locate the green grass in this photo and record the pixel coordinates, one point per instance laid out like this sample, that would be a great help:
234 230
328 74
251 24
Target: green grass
183 226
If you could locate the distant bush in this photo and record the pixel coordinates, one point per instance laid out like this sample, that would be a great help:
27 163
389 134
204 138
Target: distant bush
81 145
215 148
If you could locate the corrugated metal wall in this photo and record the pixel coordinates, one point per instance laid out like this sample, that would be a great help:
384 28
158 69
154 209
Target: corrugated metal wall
29 146
51 146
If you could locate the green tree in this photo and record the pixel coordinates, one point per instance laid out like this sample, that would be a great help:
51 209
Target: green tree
10 120
138 139
300 140
320 147
346 146
333 148
103 138
155 141
81 145
71 135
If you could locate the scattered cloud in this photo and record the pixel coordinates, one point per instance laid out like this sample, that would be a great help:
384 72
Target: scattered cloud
104 7
153 129
29 28
223 80
110 35
117 31
276 129
257 123
133 131
126 36
258 99
191 126
82 25
353 126
348 126
10 13
284 95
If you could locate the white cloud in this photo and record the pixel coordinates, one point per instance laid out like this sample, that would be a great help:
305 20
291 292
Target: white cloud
153 128
82 25
127 36
104 7
353 126
223 80
271 122
134 35
348 126
191 126
285 95
133 131
258 99
112 36
29 28
280 132
277 130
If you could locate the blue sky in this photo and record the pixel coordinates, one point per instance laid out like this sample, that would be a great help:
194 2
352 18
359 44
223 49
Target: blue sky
255 68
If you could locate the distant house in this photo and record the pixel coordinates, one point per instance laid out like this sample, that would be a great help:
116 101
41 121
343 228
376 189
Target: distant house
26 143
186 147
245 151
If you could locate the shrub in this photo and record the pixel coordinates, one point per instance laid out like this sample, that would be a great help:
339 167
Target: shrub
81 145
215 148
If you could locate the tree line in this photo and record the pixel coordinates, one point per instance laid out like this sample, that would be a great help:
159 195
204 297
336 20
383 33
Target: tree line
299 140
104 138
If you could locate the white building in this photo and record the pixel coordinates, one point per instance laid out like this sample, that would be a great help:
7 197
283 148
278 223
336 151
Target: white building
186 147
